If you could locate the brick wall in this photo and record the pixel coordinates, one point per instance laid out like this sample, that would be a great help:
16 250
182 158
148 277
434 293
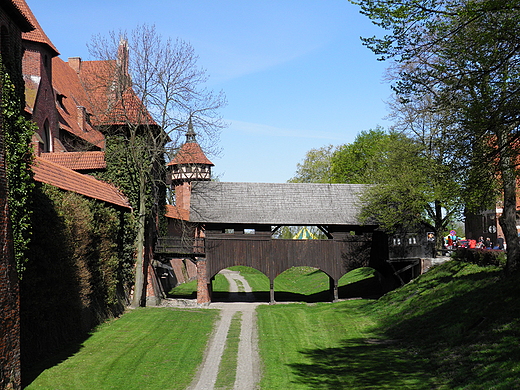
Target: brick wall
203 293
12 43
37 70
183 196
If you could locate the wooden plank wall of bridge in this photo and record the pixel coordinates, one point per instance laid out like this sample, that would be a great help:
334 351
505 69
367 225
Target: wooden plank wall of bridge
273 256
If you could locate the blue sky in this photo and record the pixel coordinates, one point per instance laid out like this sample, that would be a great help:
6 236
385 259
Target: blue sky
294 72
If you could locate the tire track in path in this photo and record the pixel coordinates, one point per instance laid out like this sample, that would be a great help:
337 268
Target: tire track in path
248 363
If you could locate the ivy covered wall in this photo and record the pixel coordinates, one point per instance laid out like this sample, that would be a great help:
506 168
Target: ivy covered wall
78 273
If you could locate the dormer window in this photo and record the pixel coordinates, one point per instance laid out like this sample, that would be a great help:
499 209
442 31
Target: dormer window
59 100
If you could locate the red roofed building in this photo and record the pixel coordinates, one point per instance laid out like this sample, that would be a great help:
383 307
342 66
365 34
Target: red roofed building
59 176
71 102
189 164
76 131
83 162
39 92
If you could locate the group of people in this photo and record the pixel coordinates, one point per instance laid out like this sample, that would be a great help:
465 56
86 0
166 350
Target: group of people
488 244
456 242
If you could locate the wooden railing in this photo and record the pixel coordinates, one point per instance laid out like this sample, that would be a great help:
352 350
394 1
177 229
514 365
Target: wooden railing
179 246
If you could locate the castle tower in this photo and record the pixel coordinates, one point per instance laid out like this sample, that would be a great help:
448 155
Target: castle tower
189 164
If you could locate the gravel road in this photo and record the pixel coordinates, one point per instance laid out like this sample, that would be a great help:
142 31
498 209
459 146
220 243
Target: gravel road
248 368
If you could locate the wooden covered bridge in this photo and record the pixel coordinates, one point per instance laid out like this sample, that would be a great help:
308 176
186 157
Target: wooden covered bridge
234 224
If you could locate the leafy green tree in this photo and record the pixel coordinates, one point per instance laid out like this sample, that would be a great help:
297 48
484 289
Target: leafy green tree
466 54
409 183
406 190
427 127
352 163
315 167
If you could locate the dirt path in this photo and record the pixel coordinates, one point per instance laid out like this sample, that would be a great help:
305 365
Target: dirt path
248 365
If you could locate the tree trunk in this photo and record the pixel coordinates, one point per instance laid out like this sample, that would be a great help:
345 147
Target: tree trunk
139 280
508 218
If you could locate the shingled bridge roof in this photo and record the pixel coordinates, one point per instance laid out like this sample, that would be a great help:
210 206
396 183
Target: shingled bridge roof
276 203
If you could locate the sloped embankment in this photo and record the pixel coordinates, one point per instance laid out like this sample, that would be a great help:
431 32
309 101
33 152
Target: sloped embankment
463 319
456 327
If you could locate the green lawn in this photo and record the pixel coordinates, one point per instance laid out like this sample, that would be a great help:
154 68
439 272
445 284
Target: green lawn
456 327
332 346
147 348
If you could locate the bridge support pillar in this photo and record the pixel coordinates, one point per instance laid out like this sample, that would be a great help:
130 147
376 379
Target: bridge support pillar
271 292
203 293
334 289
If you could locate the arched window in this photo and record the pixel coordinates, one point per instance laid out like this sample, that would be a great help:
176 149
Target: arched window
47 137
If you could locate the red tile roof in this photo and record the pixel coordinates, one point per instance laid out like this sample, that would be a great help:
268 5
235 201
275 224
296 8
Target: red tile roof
14 11
67 83
190 153
36 35
77 161
110 109
176 212
66 179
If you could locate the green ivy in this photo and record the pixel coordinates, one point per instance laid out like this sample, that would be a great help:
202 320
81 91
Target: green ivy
18 132
80 269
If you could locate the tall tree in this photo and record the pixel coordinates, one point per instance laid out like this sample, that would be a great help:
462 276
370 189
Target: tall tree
466 54
315 167
428 127
154 88
352 163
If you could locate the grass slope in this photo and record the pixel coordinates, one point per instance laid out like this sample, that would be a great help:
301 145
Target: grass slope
147 348
456 327
465 319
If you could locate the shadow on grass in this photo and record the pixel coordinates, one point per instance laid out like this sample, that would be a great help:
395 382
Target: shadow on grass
30 373
471 339
362 364
456 328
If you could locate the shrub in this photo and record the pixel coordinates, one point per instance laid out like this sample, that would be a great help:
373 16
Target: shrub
482 257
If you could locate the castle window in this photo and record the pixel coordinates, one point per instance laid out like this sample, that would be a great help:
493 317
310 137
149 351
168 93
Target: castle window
47 137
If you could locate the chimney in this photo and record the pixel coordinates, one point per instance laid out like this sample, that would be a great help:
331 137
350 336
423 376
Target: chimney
75 63
123 64
82 118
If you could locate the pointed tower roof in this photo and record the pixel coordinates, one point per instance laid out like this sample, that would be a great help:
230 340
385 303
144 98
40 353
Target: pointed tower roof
190 152
36 35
